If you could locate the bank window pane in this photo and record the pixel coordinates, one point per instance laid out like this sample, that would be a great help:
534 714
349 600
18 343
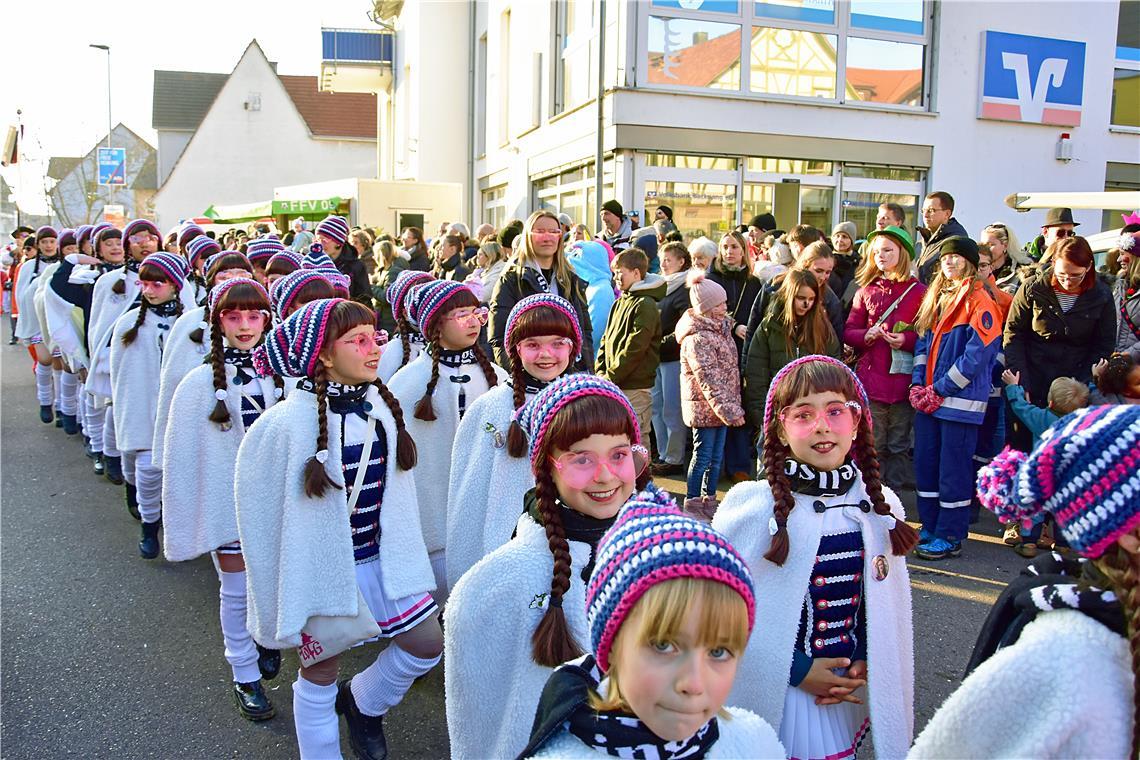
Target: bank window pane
680 161
1128 32
882 172
803 11
704 6
863 209
687 53
815 206
788 62
698 208
898 16
789 166
879 71
757 199
1126 98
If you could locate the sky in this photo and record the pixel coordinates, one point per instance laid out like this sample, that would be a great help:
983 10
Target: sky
48 72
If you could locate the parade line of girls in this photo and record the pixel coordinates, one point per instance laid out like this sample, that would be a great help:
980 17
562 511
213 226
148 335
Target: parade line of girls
352 482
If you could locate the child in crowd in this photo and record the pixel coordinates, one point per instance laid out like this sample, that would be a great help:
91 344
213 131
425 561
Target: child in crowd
670 607
1082 616
411 343
631 344
590 260
1117 380
826 544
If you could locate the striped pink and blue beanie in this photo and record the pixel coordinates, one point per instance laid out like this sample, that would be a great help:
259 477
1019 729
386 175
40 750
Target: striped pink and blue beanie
263 248
220 289
1085 472
172 265
319 261
336 227
550 301
432 297
67 237
293 347
536 415
83 234
136 226
47 231
188 232
790 366
201 247
285 289
291 256
398 291
104 232
653 542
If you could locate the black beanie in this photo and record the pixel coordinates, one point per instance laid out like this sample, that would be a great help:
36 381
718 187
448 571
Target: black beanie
961 245
765 222
613 207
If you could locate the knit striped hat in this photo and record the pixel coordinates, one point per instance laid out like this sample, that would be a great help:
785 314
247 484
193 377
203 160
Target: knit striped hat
105 232
432 297
336 227
136 226
83 234
293 348
200 247
286 255
1085 472
222 287
550 301
397 292
285 289
45 232
319 261
652 542
172 265
263 248
535 416
188 232
67 237
791 366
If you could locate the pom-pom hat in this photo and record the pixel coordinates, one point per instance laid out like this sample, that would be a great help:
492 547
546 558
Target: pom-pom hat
550 301
286 255
221 288
1085 472
334 227
536 415
433 297
263 248
105 232
652 542
172 265
200 247
188 232
293 348
790 366
704 294
285 289
398 291
319 261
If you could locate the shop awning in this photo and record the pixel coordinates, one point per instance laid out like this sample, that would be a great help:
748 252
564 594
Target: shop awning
244 212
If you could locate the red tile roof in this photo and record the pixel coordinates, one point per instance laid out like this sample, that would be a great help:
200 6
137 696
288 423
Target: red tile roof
886 85
697 65
332 114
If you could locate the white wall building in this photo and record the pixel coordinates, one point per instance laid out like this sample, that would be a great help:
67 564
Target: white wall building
815 110
265 130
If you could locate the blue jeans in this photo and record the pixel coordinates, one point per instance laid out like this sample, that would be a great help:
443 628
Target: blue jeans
704 470
944 474
668 427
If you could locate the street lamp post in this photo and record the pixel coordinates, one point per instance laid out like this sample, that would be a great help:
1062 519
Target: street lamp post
107 50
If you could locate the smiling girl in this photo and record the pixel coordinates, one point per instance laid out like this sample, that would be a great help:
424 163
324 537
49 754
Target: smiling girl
213 407
28 329
137 343
490 473
520 611
440 385
328 522
826 546
399 295
670 608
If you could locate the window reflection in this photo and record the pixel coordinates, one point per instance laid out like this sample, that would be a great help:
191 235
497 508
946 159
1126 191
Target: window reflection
789 62
688 53
698 208
879 71
1126 98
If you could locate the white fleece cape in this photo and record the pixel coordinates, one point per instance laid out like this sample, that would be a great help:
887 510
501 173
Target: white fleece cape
392 356
134 380
485 496
65 326
198 511
434 440
492 685
298 549
41 285
28 324
762 679
745 735
179 358
1016 705
106 308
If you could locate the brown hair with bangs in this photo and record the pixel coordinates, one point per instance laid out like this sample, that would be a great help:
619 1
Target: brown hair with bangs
223 262
316 289
869 270
345 316
1076 251
462 298
804 380
150 273
243 296
281 265
533 323
552 644
658 616
813 329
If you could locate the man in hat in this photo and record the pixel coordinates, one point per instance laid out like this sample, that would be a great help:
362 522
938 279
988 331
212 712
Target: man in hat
13 249
1058 225
616 226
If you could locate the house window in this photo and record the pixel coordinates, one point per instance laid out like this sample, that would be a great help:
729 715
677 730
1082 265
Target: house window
505 94
495 206
1126 69
845 51
571 191
575 54
682 161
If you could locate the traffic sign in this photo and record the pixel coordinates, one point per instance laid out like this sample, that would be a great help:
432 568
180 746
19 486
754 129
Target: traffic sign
112 166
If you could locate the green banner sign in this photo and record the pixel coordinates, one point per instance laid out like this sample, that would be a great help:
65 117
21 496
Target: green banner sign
248 211
321 206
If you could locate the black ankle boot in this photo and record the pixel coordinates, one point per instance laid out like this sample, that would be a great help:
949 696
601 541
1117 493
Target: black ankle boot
365 732
46 414
70 424
252 702
268 662
98 465
113 469
148 544
59 419
132 501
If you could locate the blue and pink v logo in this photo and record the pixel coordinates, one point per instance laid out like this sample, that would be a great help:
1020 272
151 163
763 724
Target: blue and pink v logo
1032 79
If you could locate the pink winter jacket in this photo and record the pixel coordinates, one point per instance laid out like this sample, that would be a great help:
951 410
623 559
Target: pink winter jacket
875 360
710 372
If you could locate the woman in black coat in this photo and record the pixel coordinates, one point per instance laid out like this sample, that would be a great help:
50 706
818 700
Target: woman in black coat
1061 323
668 427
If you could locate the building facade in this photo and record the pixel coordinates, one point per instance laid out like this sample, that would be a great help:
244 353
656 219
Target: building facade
78 198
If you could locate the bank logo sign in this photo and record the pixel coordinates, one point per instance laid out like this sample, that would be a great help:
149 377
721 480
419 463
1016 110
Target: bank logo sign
1038 80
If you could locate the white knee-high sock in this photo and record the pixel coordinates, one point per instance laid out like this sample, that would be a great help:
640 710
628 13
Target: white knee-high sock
57 378
241 653
45 392
148 481
93 422
380 687
314 717
110 443
69 383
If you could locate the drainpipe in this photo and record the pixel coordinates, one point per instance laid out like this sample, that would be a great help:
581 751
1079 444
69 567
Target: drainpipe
471 110
598 158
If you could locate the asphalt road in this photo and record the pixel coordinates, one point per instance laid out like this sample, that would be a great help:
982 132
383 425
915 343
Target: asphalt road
104 654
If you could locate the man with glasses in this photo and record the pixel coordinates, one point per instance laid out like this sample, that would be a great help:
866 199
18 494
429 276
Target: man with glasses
1058 225
938 219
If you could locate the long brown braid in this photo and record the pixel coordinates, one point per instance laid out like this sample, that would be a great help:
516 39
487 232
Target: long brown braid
552 643
903 536
406 454
198 334
221 412
516 438
424 409
130 335
317 479
776 452
484 363
1122 575
120 286
405 327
